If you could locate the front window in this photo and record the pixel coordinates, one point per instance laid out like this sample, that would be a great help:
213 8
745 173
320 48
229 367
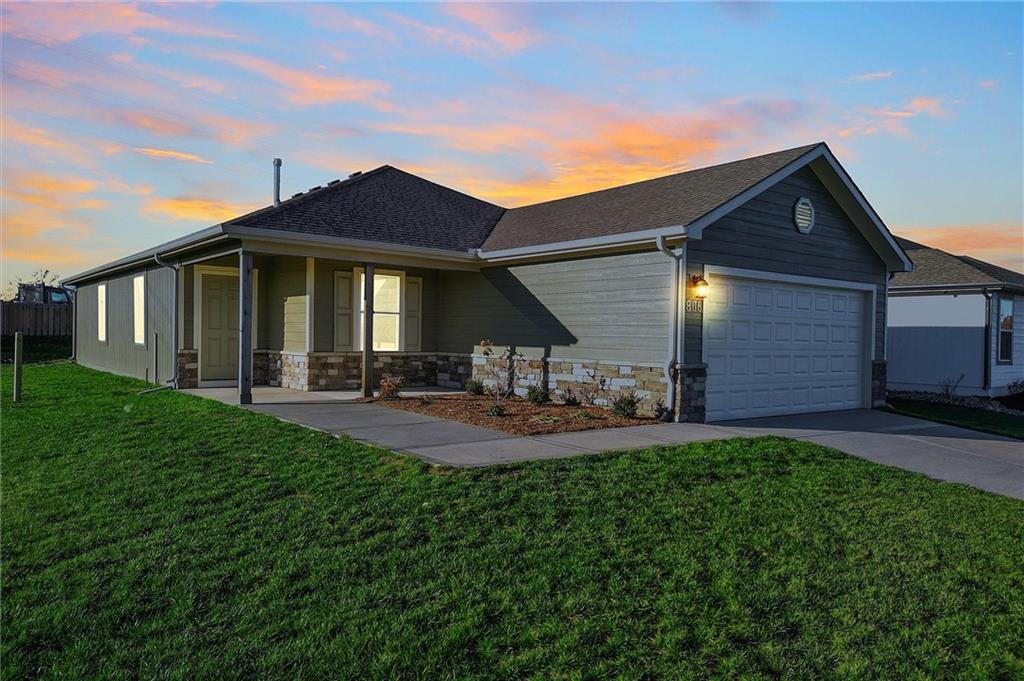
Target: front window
101 313
387 321
139 309
1004 352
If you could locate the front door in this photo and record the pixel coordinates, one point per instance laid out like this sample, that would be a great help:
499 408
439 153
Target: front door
218 353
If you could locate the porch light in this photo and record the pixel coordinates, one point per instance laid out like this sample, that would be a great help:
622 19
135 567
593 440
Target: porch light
700 287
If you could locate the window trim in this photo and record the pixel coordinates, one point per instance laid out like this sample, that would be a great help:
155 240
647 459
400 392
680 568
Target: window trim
102 315
135 312
999 331
357 311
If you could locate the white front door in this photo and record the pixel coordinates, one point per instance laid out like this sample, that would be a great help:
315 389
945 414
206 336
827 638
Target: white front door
775 348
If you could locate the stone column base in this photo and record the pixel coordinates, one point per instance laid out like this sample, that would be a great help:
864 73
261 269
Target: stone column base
693 381
879 373
188 368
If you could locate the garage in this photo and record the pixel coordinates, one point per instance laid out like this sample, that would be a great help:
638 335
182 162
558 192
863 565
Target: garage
783 345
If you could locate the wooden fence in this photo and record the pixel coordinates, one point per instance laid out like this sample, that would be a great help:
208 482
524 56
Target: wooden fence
37 319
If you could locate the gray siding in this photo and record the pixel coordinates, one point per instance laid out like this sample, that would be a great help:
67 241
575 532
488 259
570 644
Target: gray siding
1005 373
119 354
612 307
286 303
760 235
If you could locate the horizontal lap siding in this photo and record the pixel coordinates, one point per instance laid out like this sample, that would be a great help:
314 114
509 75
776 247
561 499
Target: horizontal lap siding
760 235
120 354
1005 373
611 307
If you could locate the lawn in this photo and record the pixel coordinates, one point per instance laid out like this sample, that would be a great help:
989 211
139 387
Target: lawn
174 537
978 419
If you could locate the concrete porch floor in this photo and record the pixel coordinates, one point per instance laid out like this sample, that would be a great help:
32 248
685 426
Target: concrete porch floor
265 394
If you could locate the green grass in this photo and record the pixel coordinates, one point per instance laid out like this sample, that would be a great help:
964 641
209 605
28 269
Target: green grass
174 537
37 348
966 417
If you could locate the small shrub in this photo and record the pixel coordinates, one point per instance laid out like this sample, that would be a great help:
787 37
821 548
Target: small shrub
390 387
949 385
537 395
584 415
1015 387
475 387
544 419
570 399
496 409
426 400
626 404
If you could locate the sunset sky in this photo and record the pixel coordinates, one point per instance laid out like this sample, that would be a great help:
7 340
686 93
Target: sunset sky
128 125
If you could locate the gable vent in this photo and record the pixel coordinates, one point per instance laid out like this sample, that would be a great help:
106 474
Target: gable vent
803 215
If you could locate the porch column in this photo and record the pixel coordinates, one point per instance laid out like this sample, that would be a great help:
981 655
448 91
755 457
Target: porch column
368 330
244 328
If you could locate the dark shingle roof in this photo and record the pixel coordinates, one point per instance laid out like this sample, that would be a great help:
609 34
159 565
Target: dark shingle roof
933 267
676 199
385 204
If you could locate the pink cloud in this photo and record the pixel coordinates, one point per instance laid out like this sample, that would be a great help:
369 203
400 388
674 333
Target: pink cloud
1001 243
987 84
496 23
873 75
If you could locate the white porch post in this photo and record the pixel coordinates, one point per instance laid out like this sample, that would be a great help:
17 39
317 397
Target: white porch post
368 330
244 328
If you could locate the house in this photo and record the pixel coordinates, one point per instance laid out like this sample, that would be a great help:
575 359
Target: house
752 288
41 293
955 320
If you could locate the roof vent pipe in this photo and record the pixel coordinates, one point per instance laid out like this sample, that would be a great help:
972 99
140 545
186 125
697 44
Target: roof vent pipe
277 182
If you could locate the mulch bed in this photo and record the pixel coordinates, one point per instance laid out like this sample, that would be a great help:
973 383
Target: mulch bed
521 417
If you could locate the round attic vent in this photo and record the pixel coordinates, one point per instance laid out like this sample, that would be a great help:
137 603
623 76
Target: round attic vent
803 215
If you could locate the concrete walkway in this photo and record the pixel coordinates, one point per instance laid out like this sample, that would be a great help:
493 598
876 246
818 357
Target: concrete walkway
989 462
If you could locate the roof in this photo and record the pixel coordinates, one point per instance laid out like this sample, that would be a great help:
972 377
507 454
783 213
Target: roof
384 204
676 199
390 210
935 267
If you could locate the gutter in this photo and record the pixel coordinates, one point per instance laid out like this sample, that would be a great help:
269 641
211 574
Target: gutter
593 243
676 335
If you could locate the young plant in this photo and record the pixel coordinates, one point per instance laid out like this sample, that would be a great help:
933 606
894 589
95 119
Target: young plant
496 409
503 367
626 404
537 395
570 398
592 387
949 385
390 387
475 387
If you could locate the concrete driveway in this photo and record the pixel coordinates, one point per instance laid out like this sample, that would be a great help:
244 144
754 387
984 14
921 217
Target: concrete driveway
989 462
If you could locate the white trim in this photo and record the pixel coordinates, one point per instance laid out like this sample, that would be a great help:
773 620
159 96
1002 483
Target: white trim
871 290
592 243
197 316
310 287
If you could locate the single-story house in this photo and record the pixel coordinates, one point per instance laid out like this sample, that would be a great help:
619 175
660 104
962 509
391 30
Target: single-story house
955 320
751 288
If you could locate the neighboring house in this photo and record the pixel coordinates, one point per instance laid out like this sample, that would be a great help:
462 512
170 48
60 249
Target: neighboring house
955 315
601 288
41 293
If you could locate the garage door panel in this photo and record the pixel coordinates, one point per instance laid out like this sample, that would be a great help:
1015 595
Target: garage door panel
782 349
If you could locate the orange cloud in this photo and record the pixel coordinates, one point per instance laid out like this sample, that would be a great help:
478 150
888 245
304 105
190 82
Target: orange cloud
929 105
53 23
305 88
195 208
170 154
496 23
1001 243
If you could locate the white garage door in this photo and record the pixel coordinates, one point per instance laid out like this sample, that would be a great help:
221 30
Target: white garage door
779 348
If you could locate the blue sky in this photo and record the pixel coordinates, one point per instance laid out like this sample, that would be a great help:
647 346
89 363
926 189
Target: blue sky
126 125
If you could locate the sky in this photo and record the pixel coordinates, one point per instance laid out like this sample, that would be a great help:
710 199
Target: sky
126 125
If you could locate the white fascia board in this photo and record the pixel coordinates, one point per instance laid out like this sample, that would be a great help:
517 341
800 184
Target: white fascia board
356 244
577 246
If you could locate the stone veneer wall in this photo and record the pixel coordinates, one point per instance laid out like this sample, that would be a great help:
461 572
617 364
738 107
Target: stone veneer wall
694 380
879 375
606 379
343 370
188 368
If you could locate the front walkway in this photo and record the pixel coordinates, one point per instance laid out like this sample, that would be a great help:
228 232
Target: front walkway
989 462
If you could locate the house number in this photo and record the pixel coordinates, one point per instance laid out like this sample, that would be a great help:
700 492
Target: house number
695 306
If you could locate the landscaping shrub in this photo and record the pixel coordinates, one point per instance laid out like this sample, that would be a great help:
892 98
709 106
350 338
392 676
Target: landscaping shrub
390 387
496 409
537 395
626 404
474 387
570 398
1015 387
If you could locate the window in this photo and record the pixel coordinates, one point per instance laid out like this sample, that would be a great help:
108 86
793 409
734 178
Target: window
139 309
387 311
1004 351
101 313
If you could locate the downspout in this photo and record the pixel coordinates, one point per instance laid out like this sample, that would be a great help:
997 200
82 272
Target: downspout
173 382
986 356
674 341
74 320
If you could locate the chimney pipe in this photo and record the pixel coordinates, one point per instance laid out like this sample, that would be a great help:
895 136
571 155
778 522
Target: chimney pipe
277 182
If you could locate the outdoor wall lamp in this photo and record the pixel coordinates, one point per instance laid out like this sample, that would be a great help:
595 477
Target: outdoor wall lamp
700 287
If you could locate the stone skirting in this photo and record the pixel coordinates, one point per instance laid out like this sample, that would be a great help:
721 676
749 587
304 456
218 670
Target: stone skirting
188 368
595 381
343 370
879 374
693 380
